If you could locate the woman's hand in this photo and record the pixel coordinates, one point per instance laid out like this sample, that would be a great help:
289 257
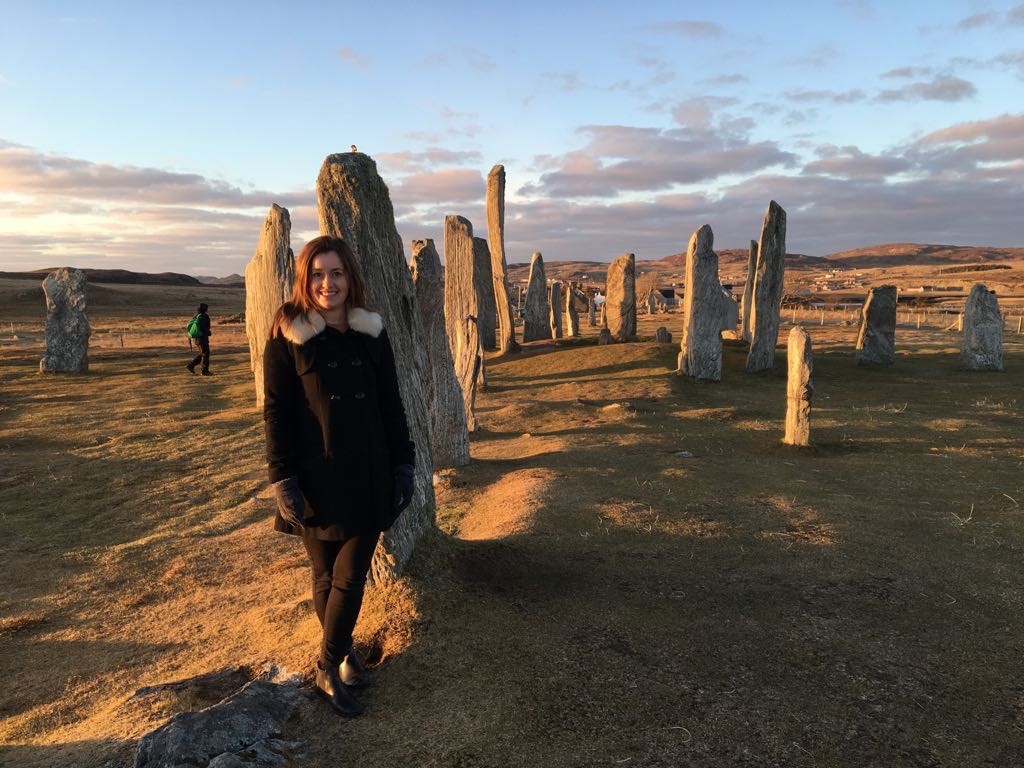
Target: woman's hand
404 486
290 502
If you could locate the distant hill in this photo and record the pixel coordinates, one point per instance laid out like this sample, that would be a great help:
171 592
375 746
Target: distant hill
917 254
231 281
127 277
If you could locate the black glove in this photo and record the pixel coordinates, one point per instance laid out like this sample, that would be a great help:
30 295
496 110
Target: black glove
404 486
290 502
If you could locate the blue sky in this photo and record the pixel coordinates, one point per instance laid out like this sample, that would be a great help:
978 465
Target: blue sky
155 136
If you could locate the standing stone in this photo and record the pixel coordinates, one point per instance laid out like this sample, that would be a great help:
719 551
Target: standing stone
700 353
620 305
592 312
487 320
354 204
499 269
663 335
767 292
729 310
536 312
748 291
555 302
268 284
876 342
67 326
449 439
460 303
982 346
799 389
605 337
572 315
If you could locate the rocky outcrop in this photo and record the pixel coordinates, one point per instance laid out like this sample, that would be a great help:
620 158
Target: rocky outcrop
767 291
700 354
461 309
876 342
982 346
536 311
799 390
487 318
620 304
268 284
499 268
354 204
449 439
67 325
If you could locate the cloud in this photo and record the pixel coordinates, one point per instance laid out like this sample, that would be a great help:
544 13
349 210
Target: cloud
835 97
908 72
471 57
417 162
859 9
352 56
978 20
940 88
1015 15
690 28
563 81
733 79
449 185
852 163
816 58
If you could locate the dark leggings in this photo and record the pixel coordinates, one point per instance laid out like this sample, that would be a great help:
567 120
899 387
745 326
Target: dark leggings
204 354
339 577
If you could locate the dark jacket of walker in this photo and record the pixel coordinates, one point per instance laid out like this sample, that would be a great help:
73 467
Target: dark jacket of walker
334 418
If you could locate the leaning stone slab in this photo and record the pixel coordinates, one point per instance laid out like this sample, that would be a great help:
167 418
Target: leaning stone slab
461 309
487 318
67 325
499 268
536 311
449 439
876 342
555 302
354 204
700 354
268 284
767 291
799 390
620 304
247 721
982 346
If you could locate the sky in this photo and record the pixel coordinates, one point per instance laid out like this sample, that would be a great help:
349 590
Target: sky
155 136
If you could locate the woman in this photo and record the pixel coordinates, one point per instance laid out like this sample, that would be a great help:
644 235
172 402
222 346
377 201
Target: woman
338 448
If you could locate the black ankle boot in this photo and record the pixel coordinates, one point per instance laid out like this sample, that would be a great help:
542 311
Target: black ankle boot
341 698
353 672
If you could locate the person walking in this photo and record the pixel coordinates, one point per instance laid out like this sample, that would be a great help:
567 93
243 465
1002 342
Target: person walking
201 323
339 456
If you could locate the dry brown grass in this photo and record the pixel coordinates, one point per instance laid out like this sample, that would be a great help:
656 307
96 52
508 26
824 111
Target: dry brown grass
593 595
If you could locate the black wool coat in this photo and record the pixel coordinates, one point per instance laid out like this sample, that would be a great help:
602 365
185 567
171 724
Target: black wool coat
334 418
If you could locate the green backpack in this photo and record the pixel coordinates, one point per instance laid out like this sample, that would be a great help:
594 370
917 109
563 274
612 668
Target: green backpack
194 330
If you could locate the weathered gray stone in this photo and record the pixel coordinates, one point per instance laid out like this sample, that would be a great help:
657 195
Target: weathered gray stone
748 291
555 303
461 308
354 204
247 721
536 311
449 439
487 319
799 390
605 337
767 292
620 305
592 312
572 315
499 268
729 309
268 284
982 347
876 342
700 354
67 325
663 335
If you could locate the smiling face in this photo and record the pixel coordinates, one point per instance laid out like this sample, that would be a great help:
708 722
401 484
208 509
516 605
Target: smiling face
328 283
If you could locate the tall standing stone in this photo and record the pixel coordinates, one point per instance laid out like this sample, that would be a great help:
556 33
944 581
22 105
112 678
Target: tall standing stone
487 320
460 306
799 390
572 315
555 303
767 292
728 309
620 304
876 342
268 284
449 439
67 325
354 204
499 269
700 354
748 292
982 346
536 311
591 312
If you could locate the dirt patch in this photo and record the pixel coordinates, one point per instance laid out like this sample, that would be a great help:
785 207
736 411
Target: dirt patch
507 507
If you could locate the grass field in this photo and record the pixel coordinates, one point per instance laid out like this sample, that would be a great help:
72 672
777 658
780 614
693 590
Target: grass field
632 570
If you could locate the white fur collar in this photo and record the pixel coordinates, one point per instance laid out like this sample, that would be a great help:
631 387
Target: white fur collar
305 326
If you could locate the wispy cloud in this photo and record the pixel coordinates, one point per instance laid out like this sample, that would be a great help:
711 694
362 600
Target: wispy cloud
940 88
692 29
978 20
563 81
723 80
352 56
1015 15
468 56
907 72
816 58
835 97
